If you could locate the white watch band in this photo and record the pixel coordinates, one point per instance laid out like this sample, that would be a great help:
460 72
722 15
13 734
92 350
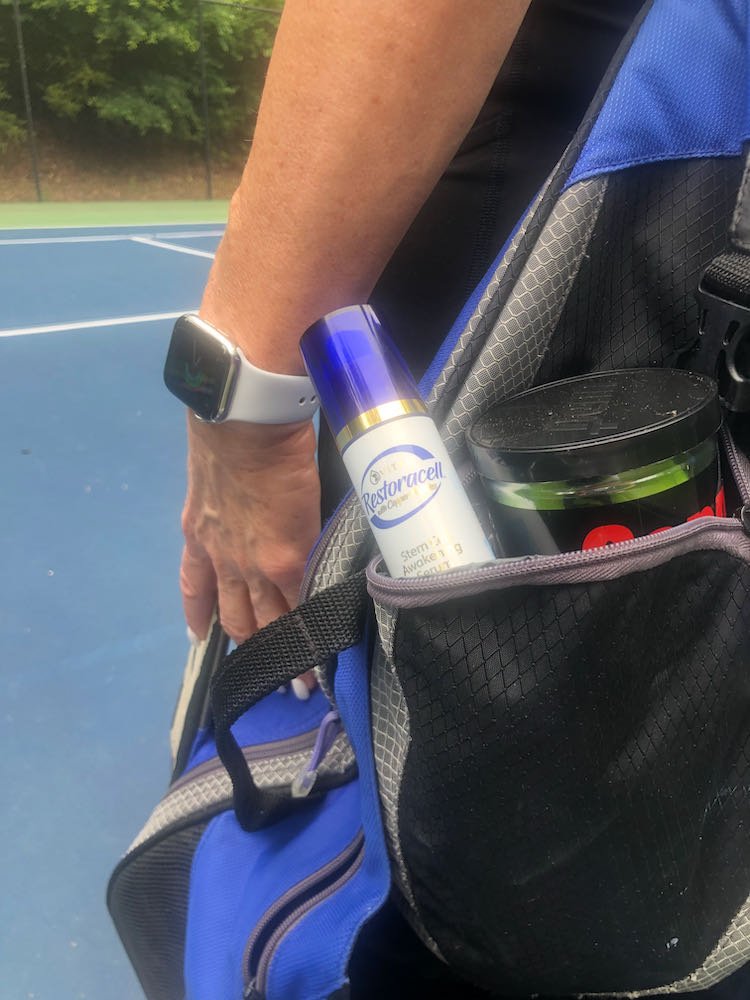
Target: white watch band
262 397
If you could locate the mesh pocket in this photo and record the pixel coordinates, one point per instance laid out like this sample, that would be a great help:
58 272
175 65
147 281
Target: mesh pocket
573 798
148 900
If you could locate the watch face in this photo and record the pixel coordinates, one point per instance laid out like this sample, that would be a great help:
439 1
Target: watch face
199 368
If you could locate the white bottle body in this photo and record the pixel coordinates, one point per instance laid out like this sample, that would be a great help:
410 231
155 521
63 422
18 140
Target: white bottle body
420 515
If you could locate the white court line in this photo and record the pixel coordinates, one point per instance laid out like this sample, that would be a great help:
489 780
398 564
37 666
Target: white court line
123 237
147 241
32 241
112 225
187 235
93 324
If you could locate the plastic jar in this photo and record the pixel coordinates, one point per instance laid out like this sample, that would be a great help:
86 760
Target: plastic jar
600 458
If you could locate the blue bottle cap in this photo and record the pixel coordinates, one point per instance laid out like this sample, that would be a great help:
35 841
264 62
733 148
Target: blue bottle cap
356 369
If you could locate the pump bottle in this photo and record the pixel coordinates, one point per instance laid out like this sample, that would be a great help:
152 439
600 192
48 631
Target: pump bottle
420 515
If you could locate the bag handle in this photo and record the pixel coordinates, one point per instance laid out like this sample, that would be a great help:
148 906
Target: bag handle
303 638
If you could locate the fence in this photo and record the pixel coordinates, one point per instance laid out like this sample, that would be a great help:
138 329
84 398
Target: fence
207 42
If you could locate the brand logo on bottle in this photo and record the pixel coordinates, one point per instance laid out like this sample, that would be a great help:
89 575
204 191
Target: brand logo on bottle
399 482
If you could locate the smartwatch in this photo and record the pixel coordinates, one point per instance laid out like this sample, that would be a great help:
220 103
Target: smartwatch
212 376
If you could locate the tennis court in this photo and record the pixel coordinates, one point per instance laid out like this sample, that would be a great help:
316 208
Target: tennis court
93 640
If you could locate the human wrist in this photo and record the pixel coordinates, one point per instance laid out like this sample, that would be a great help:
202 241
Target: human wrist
264 347
244 300
263 292
247 445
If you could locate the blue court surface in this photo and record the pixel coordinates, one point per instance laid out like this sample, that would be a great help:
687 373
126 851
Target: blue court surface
91 629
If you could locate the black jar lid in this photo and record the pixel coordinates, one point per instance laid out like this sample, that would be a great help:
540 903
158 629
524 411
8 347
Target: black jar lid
595 425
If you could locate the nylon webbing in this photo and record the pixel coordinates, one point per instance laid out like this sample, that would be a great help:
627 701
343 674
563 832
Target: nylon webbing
306 637
739 233
728 275
724 299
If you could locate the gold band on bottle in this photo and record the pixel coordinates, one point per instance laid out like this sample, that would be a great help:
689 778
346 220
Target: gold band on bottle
396 408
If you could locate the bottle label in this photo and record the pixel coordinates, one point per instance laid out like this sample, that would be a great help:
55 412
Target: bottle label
420 515
399 482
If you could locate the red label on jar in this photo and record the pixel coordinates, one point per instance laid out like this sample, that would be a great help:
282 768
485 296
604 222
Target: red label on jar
608 534
522 531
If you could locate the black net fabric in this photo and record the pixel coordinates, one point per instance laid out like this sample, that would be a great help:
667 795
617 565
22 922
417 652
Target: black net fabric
633 302
148 901
573 810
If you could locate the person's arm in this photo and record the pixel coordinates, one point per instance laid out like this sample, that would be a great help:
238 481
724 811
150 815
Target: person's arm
363 108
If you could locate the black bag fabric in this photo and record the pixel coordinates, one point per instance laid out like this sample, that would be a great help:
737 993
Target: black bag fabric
572 806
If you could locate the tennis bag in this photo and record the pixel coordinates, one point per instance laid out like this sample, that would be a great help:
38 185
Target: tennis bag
546 761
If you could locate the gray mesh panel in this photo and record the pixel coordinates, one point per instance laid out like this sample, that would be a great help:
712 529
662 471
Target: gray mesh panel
215 787
321 675
390 734
515 348
190 798
481 309
343 554
732 951
386 619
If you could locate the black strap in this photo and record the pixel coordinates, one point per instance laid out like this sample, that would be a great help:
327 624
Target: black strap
724 300
308 636
739 234
728 275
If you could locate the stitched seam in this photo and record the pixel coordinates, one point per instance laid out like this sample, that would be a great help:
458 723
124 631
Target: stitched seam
312 647
685 154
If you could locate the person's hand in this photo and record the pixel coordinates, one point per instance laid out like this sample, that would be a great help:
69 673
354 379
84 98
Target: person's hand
250 519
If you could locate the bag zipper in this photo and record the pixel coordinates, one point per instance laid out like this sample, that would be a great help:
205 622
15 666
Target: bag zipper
433 589
329 729
560 568
259 752
207 787
738 464
290 908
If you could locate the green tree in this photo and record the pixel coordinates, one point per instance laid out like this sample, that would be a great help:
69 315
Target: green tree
11 125
135 65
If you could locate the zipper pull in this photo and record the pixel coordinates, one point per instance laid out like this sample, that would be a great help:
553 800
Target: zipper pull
251 993
743 516
329 729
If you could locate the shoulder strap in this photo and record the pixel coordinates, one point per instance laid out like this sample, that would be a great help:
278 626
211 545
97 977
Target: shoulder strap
304 638
724 300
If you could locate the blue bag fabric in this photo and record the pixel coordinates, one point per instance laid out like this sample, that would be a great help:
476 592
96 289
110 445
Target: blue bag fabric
237 876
